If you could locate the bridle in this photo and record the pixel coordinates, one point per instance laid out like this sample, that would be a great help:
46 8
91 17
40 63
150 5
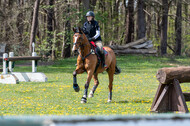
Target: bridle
82 45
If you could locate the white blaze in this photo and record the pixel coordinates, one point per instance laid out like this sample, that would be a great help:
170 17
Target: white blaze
75 42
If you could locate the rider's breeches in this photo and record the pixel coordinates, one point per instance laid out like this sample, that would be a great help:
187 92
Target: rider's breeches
100 46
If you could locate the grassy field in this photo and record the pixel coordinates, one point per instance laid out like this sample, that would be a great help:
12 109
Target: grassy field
133 89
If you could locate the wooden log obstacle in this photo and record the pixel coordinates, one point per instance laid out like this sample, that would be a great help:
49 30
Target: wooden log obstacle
169 96
16 77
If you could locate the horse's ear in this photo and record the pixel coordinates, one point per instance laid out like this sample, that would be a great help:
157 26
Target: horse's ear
74 29
80 30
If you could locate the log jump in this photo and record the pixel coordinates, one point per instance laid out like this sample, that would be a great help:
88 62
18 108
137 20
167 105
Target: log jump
10 77
169 96
141 46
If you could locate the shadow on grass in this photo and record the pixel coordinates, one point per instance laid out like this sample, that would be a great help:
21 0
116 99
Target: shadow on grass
122 102
141 101
134 101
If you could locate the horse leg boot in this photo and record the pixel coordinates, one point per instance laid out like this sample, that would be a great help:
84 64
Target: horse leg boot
96 83
84 98
75 85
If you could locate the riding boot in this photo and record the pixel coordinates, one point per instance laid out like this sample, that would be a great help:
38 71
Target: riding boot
102 57
103 60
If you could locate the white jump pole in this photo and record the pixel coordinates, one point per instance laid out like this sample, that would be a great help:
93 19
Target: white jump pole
11 54
34 65
5 70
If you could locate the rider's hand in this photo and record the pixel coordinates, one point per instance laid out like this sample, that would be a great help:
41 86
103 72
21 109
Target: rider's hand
91 39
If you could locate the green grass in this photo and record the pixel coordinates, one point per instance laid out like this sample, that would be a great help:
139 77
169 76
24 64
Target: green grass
133 89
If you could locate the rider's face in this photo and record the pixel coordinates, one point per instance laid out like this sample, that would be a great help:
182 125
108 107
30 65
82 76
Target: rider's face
89 18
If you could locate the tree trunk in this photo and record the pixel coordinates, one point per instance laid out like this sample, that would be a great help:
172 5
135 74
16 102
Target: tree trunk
20 28
53 46
130 23
63 45
178 24
186 12
167 75
34 24
50 13
86 4
149 21
67 37
116 18
141 25
164 27
92 4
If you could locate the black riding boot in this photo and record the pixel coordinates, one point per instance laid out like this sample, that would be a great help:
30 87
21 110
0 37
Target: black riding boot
102 57
103 60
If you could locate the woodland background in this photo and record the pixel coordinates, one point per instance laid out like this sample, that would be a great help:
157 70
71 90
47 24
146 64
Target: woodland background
49 24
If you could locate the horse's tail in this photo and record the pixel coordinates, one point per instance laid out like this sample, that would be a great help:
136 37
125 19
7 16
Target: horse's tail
117 70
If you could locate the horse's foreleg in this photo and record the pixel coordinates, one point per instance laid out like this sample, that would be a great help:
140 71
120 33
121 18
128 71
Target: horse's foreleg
96 83
86 86
75 85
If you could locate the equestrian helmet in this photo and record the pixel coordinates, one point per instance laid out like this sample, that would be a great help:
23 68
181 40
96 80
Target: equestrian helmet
90 13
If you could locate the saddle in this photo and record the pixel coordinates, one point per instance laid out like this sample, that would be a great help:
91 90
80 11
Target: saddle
94 47
96 50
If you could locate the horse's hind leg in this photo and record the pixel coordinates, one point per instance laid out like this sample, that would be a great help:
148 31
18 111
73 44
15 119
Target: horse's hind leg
96 83
110 71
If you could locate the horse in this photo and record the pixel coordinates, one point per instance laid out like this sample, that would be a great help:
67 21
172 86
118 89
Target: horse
87 62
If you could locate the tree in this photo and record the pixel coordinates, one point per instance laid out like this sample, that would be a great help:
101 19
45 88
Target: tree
129 24
34 24
178 24
67 38
164 27
50 16
86 4
141 24
92 4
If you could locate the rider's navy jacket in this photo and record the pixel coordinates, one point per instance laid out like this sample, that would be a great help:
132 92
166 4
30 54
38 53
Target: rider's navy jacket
92 30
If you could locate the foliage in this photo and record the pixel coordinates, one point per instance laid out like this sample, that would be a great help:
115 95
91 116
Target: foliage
16 20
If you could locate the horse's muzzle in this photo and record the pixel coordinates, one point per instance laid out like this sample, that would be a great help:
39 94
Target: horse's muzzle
75 51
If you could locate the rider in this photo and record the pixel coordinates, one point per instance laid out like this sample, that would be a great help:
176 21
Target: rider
92 31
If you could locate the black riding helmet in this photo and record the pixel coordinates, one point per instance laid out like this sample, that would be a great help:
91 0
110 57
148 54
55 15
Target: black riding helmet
90 13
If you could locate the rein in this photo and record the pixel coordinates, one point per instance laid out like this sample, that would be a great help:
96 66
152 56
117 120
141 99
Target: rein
84 57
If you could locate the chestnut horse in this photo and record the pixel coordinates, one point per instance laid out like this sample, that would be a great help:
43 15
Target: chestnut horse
87 62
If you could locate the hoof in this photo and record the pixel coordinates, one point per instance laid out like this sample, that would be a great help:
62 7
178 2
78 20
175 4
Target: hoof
83 100
76 87
109 101
91 95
